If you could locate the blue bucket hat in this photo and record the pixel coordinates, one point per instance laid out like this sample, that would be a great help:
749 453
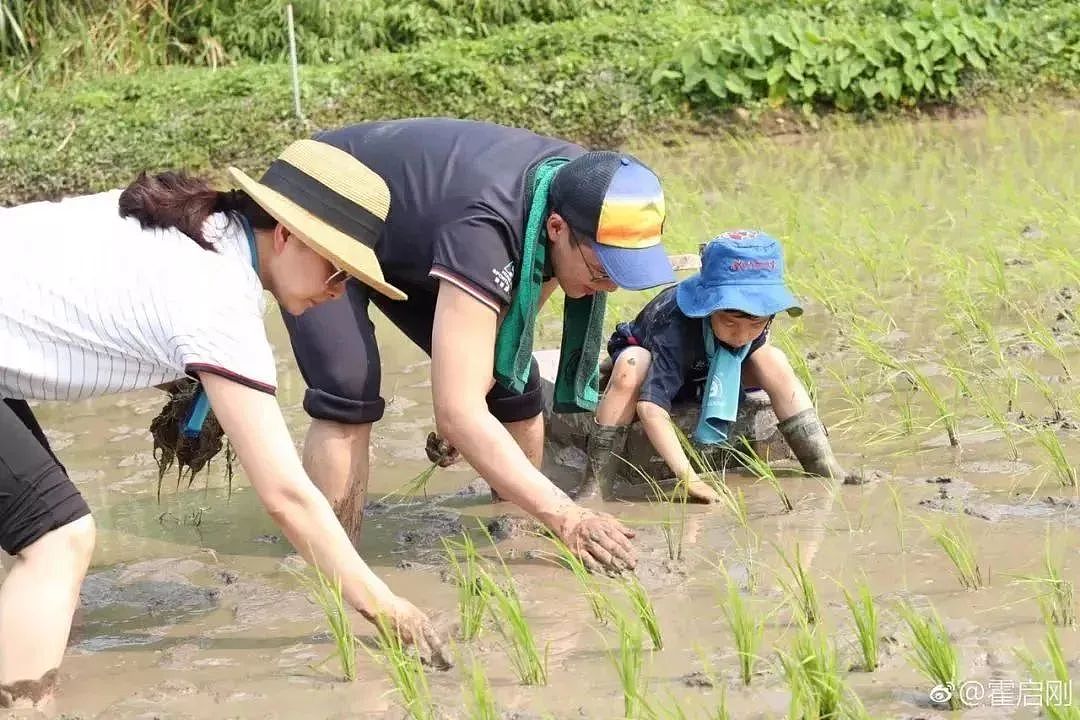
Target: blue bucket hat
740 270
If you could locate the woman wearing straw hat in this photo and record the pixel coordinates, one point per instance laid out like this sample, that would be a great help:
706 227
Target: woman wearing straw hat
487 222
125 290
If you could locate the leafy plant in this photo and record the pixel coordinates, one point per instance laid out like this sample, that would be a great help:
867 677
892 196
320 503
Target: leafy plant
643 608
864 614
472 590
406 671
328 596
800 589
746 629
934 654
957 545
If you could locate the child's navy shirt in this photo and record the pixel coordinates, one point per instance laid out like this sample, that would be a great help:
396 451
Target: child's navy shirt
679 365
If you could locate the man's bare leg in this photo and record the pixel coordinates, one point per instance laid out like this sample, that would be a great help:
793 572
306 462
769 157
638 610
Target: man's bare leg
337 459
529 435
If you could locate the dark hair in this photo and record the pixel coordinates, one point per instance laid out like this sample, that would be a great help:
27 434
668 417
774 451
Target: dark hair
178 200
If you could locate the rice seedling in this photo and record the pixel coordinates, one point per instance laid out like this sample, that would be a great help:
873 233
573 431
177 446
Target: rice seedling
733 500
1060 467
406 671
673 524
478 697
746 456
643 608
1035 379
996 416
784 340
898 505
1056 593
1040 334
800 589
934 654
328 596
957 544
812 671
629 664
747 630
509 617
599 603
472 591
417 484
1053 678
864 613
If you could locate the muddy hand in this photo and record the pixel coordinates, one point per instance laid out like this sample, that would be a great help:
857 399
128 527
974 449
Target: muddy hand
700 491
416 629
441 452
602 542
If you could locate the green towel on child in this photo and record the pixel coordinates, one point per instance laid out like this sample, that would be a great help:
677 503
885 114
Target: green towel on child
720 402
577 385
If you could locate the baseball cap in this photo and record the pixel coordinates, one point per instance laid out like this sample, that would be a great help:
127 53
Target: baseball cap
617 201
740 270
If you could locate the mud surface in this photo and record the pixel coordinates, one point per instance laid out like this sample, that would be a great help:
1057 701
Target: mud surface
193 609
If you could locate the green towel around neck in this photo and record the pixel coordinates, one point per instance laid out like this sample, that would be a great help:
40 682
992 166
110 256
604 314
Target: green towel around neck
577 385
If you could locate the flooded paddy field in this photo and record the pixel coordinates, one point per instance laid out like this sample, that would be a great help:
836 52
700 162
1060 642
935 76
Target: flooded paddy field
939 264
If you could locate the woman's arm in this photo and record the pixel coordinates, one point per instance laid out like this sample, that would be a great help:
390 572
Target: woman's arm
463 348
257 431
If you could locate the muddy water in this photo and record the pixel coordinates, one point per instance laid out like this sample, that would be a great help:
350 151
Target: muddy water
190 610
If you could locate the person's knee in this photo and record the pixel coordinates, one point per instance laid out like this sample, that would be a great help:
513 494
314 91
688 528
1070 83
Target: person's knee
630 371
771 369
70 545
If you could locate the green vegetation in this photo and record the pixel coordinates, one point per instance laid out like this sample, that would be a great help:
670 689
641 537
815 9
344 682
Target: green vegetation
468 576
746 629
67 126
864 614
800 589
406 671
327 595
934 654
1052 677
956 542
643 608
812 671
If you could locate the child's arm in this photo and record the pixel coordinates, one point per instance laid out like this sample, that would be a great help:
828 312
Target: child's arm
661 432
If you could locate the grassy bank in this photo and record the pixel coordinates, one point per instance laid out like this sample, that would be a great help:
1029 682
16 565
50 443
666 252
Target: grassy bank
599 77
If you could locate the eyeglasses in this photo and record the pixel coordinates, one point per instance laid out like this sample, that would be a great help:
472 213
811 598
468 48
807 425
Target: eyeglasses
597 276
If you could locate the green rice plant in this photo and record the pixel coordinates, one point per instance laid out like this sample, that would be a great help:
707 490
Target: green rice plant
1035 379
1056 593
1053 678
643 608
413 486
864 613
328 596
957 544
746 455
1063 470
629 664
812 671
406 671
898 505
733 500
933 654
509 617
800 589
747 630
472 591
1040 334
996 416
478 697
673 524
599 603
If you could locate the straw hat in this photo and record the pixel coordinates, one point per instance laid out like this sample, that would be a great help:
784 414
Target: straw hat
330 200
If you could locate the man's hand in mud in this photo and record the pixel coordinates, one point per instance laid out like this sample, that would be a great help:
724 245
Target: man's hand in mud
414 628
601 541
441 452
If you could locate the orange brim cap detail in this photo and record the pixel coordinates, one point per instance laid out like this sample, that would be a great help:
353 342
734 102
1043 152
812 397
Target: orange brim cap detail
633 213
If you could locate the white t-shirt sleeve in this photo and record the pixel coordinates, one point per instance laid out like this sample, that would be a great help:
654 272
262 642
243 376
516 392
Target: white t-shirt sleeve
223 334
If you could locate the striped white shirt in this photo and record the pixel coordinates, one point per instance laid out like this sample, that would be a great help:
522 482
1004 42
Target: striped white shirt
92 304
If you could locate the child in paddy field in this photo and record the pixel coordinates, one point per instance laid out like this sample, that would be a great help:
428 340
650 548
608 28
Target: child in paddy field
705 339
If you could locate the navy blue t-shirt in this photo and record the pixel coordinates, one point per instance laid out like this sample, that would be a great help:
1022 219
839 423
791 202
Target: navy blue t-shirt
679 365
457 200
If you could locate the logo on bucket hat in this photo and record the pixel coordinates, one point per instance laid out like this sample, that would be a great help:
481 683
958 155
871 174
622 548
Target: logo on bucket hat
617 202
740 270
333 202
